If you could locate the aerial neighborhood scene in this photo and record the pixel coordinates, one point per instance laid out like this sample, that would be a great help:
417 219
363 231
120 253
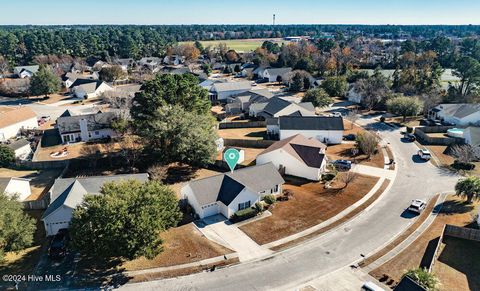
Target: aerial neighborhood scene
275 145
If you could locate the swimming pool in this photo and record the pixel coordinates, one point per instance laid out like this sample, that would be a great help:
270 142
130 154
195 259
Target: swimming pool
455 132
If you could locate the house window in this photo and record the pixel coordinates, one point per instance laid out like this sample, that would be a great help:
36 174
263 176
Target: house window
243 205
275 190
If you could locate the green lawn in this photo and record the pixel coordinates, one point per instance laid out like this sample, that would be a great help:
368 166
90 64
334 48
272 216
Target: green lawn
241 45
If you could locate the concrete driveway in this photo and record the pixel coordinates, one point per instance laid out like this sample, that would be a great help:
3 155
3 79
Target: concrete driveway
220 230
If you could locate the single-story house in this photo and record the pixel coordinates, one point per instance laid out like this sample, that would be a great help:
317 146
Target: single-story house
21 148
85 127
67 193
26 71
230 192
14 119
88 89
297 156
70 78
460 114
150 62
221 91
243 101
173 60
15 186
125 63
279 106
328 130
275 74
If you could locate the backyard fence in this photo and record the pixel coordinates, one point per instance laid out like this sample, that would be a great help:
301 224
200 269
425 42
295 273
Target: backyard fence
36 204
422 134
247 124
248 143
462 232
44 165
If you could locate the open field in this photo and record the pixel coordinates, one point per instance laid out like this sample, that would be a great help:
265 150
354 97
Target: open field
455 212
311 204
241 45
183 244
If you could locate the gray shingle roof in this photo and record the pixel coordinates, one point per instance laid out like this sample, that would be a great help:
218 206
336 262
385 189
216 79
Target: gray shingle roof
275 105
460 110
225 187
278 71
94 122
71 191
18 144
310 123
232 86
4 183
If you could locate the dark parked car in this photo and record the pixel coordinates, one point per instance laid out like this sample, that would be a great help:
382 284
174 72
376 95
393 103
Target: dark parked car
410 137
349 137
342 165
58 246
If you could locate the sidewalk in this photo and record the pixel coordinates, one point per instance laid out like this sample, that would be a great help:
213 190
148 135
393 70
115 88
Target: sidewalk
410 239
373 171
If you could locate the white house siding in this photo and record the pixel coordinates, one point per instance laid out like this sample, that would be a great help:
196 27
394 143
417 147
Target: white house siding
325 136
244 196
292 165
273 129
12 130
57 220
225 94
467 120
23 152
19 187
353 96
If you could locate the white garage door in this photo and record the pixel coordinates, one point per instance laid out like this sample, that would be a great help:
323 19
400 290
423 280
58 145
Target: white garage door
54 227
210 210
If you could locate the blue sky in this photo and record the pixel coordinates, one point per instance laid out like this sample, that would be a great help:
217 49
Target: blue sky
240 12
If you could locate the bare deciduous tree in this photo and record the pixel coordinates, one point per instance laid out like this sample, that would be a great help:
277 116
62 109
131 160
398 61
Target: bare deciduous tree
464 153
347 177
367 142
131 149
92 154
352 116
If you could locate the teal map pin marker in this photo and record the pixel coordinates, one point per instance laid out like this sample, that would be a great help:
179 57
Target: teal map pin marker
231 156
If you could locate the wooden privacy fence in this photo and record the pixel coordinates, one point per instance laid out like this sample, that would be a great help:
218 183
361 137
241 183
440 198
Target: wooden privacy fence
422 134
248 124
248 143
36 204
462 232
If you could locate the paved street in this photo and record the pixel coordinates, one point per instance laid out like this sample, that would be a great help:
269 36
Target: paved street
365 234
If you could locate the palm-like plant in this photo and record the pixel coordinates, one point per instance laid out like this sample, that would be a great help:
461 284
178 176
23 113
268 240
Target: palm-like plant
424 278
469 188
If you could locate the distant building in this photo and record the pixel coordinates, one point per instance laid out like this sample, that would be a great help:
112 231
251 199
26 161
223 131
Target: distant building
21 148
328 130
85 127
25 71
89 89
460 114
221 91
14 119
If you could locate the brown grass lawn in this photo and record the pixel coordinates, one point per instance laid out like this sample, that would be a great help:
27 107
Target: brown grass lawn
439 152
311 204
243 133
343 151
351 129
40 181
183 244
454 212
457 266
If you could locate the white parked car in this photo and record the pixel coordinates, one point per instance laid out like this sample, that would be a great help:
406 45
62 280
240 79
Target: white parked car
417 206
424 154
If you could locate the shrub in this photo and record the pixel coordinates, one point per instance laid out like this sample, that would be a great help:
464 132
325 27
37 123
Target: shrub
328 177
244 214
382 119
7 156
269 199
457 165
259 207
